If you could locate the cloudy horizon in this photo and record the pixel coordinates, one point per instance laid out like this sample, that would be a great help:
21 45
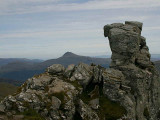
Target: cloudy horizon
47 29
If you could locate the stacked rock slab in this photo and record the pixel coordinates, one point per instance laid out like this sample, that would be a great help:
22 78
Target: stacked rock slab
131 56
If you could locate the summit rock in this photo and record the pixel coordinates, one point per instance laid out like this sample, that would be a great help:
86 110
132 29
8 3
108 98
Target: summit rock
130 55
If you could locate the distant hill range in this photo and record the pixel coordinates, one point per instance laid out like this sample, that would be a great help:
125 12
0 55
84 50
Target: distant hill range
155 57
5 61
11 81
16 70
23 69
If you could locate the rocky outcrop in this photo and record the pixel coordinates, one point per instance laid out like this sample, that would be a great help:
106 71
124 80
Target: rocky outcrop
75 92
128 90
130 55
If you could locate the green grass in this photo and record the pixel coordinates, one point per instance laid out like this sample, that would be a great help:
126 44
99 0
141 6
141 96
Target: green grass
7 89
108 109
76 84
60 96
19 89
31 115
85 94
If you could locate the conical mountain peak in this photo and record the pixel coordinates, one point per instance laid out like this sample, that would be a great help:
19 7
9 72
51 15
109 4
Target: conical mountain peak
69 54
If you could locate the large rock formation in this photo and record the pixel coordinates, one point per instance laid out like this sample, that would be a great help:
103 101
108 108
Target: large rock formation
131 56
129 90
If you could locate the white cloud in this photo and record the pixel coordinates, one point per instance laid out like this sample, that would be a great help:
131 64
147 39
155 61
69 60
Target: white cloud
61 33
31 6
152 28
133 18
80 32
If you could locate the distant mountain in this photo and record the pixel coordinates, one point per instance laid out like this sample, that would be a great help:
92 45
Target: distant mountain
11 81
103 56
5 61
18 71
71 58
155 57
22 70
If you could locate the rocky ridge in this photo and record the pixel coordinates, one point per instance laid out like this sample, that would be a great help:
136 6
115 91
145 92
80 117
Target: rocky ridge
128 90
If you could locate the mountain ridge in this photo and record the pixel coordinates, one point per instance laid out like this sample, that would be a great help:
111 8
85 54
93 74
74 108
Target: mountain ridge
23 70
5 61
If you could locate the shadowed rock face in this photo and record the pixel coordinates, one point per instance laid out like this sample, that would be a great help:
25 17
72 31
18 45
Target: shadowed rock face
129 90
131 56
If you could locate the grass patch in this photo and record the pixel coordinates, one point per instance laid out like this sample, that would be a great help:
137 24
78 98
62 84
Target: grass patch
19 90
26 104
48 105
61 97
76 84
109 109
31 114
7 89
39 75
39 97
46 88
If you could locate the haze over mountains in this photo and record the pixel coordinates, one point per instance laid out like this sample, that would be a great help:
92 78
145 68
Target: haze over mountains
22 70
17 70
154 57
5 61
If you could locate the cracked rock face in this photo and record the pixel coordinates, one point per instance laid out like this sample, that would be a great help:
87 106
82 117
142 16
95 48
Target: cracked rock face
127 44
130 55
129 90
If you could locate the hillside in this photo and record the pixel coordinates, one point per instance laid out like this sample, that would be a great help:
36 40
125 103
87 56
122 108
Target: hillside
11 81
5 61
71 58
6 89
20 71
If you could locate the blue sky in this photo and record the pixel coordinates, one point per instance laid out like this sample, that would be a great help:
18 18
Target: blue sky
47 29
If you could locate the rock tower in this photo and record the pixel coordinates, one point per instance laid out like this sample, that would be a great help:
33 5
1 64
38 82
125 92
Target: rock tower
131 56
